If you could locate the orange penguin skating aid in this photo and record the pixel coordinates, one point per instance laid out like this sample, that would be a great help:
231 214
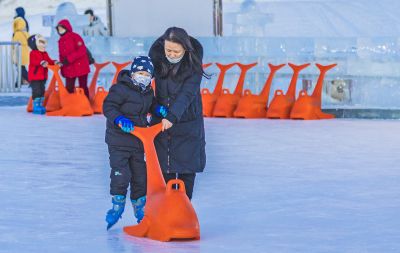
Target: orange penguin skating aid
227 102
52 97
255 106
209 99
282 104
72 104
93 83
97 95
118 68
98 100
206 65
169 213
309 107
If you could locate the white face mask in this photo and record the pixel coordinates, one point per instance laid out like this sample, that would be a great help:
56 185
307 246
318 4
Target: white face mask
141 80
61 30
175 60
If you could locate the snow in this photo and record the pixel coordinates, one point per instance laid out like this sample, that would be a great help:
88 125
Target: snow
269 186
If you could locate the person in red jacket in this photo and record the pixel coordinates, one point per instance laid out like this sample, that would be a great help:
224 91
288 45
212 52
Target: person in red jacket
73 56
38 72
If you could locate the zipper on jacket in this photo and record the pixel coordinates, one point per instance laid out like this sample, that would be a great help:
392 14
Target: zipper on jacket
142 112
169 142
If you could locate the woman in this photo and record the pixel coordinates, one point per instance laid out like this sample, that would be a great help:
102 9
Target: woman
73 57
21 35
20 13
177 59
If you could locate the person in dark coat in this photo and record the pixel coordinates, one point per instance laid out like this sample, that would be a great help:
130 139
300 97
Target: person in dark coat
73 56
38 72
20 13
125 107
177 59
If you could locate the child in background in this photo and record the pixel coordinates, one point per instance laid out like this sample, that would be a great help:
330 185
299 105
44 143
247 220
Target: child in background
38 72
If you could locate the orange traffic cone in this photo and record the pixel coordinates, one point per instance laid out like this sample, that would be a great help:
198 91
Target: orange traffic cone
169 213
227 102
255 106
98 100
118 68
309 107
281 104
93 83
209 99
74 104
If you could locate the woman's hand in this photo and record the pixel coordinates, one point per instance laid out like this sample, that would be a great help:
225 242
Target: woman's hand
166 124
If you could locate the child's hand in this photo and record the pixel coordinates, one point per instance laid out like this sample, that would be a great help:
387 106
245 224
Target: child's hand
161 111
65 62
44 64
124 123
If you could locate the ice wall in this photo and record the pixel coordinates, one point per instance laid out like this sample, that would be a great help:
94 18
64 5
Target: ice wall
368 68
360 36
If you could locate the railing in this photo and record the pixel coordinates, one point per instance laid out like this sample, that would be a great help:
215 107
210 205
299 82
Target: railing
367 71
10 66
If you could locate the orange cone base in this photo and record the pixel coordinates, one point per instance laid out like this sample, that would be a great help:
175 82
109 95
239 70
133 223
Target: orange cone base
209 101
178 222
251 106
280 106
307 108
53 102
98 100
74 104
29 106
226 104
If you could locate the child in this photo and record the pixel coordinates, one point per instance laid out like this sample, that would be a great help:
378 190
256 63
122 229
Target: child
38 72
125 107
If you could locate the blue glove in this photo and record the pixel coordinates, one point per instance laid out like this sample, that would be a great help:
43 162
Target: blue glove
161 111
124 123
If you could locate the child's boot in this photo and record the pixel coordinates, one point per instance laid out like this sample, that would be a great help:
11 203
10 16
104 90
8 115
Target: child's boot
138 207
115 213
37 106
42 108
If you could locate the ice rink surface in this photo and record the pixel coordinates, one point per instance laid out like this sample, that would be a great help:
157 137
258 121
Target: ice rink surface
269 186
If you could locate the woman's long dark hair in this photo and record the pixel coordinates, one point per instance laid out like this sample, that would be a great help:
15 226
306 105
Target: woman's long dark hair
191 61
